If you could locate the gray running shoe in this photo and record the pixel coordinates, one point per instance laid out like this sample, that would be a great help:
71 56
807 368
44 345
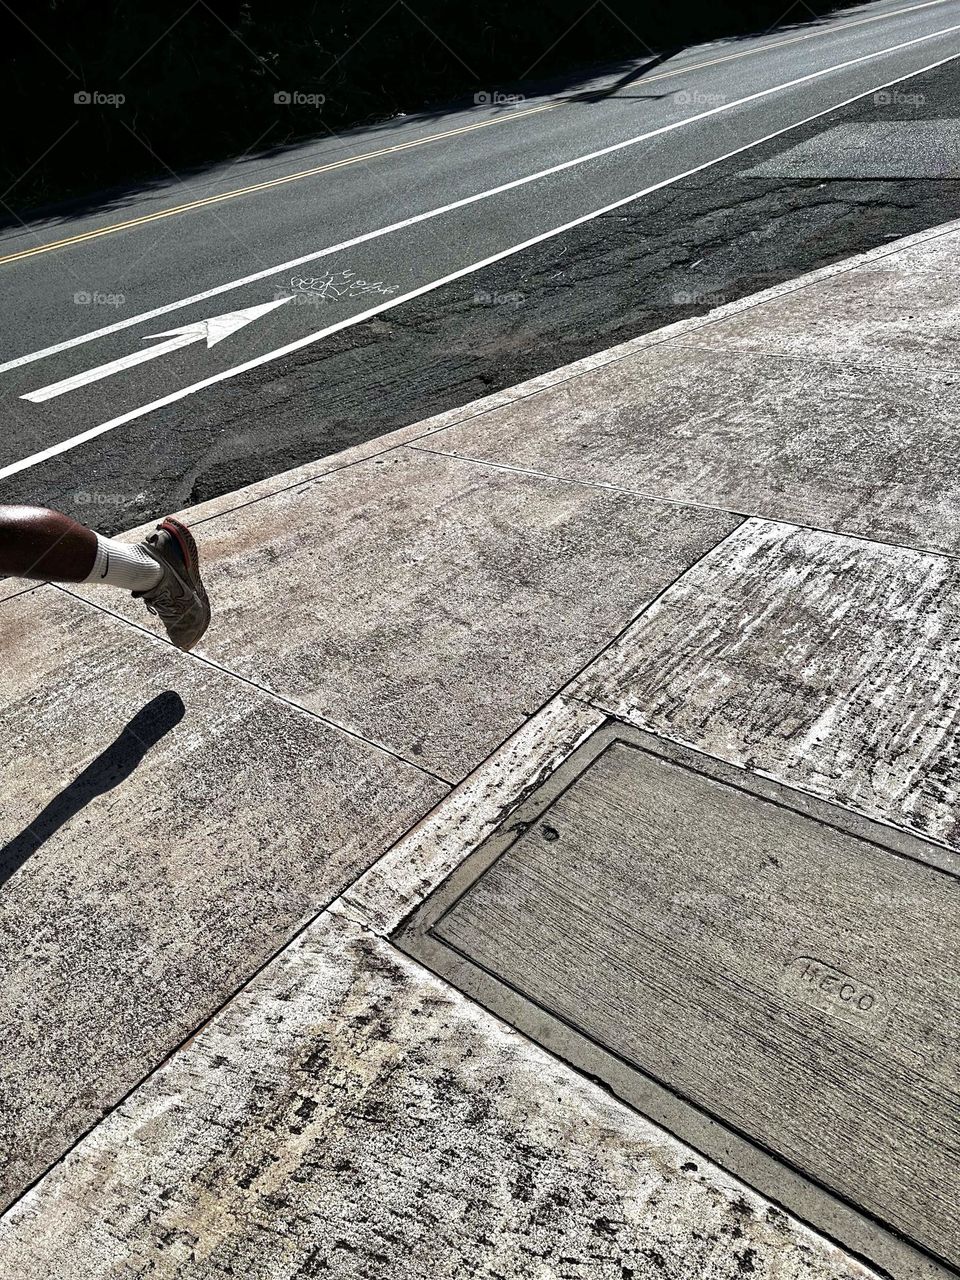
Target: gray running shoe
178 599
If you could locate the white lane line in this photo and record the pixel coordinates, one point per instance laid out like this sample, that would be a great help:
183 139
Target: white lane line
462 203
66 445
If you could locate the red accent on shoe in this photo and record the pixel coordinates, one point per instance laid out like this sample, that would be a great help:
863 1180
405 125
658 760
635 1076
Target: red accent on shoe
185 541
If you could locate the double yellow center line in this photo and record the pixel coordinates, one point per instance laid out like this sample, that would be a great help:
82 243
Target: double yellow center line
272 182
506 118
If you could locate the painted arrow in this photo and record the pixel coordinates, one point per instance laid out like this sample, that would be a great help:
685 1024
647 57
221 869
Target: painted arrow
211 331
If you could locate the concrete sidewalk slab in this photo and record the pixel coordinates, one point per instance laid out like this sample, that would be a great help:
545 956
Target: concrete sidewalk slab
829 663
817 443
409 871
165 829
431 604
343 1108
351 1115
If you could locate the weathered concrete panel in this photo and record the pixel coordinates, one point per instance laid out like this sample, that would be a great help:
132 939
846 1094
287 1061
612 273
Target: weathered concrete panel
164 828
818 443
830 663
417 863
350 1115
793 980
13 587
432 604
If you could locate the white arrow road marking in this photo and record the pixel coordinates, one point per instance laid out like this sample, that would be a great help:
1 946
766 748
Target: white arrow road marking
212 331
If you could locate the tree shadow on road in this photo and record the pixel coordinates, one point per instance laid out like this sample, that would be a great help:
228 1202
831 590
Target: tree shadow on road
106 159
635 73
114 765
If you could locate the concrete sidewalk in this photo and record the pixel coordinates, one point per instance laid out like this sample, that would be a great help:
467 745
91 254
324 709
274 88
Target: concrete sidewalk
738 534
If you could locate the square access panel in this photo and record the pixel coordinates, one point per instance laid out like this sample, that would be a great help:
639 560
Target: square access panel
771 977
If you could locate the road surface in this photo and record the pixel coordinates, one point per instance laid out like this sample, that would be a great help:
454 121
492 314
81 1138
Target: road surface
205 333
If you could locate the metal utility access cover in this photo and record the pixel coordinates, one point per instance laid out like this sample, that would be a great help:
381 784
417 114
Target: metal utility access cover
771 977
883 149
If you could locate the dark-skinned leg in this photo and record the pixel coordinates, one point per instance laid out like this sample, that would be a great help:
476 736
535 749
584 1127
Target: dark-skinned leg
163 570
38 543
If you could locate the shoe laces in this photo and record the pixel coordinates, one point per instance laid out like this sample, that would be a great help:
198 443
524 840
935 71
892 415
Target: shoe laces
164 605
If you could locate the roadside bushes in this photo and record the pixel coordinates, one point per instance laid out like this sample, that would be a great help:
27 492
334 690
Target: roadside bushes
103 92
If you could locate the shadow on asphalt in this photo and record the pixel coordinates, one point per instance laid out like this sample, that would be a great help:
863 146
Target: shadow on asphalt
573 84
374 132
636 73
114 765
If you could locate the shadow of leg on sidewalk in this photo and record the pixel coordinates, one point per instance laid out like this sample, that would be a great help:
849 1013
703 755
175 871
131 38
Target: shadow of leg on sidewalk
113 766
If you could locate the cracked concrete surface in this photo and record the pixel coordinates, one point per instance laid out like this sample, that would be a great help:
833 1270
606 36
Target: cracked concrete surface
345 1112
351 1115
829 663
421 576
165 828
900 312
819 442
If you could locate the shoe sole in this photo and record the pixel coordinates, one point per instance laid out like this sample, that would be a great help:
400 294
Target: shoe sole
187 544
191 557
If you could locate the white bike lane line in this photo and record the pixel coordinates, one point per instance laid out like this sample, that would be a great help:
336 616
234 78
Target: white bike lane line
92 433
492 192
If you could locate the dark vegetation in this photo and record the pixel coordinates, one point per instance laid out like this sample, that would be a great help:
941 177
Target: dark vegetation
199 78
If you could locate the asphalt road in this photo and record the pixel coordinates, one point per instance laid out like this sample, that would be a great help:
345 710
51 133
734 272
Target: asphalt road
393 272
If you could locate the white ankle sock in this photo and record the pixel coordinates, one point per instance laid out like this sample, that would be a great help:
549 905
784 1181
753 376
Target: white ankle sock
119 564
